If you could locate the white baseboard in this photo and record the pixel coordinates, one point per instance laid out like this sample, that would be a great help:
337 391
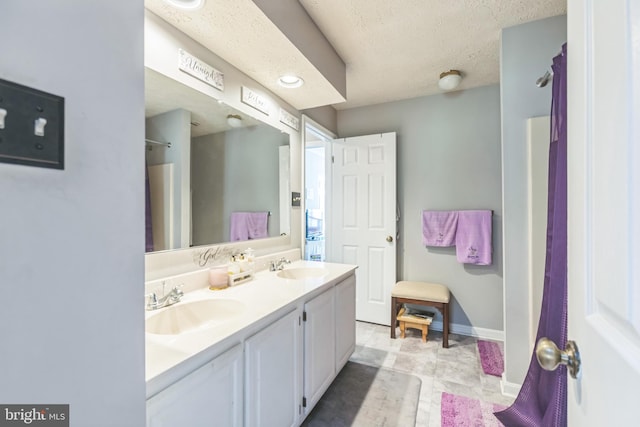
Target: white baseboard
471 331
509 389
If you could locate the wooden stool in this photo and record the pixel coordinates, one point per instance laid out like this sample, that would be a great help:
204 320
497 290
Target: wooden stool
421 293
413 322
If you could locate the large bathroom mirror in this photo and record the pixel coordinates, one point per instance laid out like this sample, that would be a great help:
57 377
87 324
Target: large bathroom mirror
214 174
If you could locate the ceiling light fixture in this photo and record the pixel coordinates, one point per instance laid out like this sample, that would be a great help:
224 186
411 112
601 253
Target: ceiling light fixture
450 80
290 81
189 5
234 120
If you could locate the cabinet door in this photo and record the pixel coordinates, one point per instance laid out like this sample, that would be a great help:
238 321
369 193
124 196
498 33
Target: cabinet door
273 374
319 347
345 320
210 396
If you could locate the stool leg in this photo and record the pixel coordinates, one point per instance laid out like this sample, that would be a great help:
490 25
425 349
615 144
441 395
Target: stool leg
445 325
424 333
394 316
403 327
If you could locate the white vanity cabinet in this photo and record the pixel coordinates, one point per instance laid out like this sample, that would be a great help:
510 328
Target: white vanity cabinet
274 373
345 320
329 338
280 366
210 396
319 346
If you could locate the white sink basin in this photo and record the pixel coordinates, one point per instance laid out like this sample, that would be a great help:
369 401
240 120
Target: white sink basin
302 273
185 317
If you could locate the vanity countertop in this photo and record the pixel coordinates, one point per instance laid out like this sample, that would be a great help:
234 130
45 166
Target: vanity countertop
170 357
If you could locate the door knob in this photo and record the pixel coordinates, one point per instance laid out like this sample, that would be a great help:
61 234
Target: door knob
389 239
550 356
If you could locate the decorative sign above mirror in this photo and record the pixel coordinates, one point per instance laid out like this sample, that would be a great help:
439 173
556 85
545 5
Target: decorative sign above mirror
255 100
200 70
220 180
289 119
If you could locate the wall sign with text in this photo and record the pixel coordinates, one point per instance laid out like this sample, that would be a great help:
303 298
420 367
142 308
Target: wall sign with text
255 100
200 70
289 119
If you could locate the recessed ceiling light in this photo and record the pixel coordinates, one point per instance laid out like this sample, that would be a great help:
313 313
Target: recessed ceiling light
290 81
189 5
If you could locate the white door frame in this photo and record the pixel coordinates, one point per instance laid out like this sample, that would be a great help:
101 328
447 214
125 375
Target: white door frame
309 124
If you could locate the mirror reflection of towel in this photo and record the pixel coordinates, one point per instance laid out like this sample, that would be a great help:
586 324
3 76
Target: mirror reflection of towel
248 225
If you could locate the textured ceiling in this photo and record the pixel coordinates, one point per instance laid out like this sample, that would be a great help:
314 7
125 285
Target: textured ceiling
397 49
392 49
240 33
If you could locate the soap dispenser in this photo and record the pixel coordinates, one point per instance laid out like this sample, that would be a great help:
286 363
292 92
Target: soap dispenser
234 268
249 256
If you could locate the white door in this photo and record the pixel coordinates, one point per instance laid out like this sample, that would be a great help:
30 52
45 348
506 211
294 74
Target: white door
364 219
211 395
319 347
604 210
273 380
345 321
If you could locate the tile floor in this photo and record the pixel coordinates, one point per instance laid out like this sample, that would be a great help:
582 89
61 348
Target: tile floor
455 369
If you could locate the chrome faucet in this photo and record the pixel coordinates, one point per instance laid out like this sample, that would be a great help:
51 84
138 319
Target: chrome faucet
167 299
278 265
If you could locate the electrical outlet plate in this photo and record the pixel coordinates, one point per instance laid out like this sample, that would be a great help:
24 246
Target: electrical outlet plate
21 140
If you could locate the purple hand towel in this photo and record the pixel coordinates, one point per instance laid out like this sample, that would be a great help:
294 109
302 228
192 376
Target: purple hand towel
439 228
473 237
257 225
248 225
239 229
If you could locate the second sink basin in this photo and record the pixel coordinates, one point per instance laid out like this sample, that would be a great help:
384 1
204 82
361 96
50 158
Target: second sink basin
188 316
302 273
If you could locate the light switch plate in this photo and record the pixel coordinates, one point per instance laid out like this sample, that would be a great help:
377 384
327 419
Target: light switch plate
295 199
33 132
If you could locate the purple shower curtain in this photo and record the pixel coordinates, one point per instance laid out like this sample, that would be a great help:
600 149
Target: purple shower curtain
542 401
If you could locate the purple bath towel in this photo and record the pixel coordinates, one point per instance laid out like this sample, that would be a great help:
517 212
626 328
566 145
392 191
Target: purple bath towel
439 228
473 237
248 225
257 225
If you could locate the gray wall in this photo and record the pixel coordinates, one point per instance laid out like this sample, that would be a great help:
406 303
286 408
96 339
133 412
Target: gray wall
527 51
72 246
174 127
448 158
252 184
326 116
208 169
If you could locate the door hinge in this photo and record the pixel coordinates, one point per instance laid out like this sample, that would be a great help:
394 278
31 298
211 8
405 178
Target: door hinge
333 159
304 402
304 316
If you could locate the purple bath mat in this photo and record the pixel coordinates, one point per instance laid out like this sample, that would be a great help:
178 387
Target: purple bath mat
491 358
460 411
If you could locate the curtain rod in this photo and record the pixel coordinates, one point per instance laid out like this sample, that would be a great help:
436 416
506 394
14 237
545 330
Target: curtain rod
151 141
542 81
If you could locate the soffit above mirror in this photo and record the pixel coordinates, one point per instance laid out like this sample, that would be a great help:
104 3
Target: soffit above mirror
240 33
